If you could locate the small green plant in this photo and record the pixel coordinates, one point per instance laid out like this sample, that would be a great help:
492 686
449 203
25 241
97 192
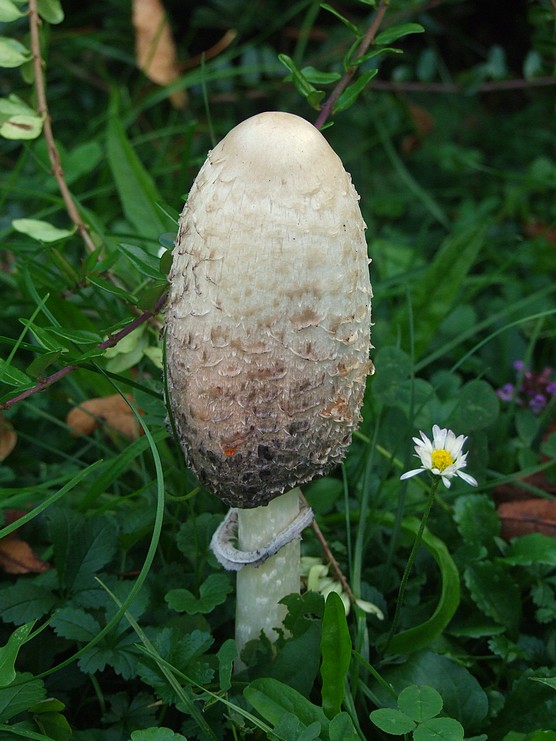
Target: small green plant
418 713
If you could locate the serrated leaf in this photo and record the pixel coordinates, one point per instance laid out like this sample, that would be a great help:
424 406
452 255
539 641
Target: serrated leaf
42 231
212 592
389 35
335 646
9 11
476 518
420 702
75 624
494 592
392 721
353 91
12 53
50 10
25 601
535 548
23 692
9 653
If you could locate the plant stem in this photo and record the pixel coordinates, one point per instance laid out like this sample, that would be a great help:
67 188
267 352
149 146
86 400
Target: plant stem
260 589
346 79
411 561
53 153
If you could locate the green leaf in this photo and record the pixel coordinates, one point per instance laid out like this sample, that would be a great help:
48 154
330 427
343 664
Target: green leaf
477 519
227 654
477 407
51 11
157 734
550 681
78 336
194 536
75 624
389 35
144 262
54 726
37 367
335 646
135 186
18 120
9 11
494 592
353 91
42 231
24 601
438 290
12 376
81 547
21 694
342 728
439 729
317 77
302 84
12 53
535 548
463 696
420 702
392 721
9 653
393 369
212 592
341 18
420 636
106 285
272 699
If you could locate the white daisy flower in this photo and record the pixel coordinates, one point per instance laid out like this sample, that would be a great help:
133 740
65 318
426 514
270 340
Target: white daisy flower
442 456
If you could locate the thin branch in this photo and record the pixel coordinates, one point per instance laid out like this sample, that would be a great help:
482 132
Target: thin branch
346 79
330 556
53 154
111 341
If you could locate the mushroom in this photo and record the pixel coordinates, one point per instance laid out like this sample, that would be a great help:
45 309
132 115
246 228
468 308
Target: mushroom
267 342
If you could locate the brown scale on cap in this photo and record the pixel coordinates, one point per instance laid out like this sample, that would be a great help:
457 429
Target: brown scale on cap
268 320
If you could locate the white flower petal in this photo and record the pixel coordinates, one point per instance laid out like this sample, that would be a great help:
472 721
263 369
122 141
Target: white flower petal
467 478
409 474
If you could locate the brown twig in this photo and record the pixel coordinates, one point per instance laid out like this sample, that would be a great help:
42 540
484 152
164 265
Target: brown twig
111 341
330 557
348 76
53 154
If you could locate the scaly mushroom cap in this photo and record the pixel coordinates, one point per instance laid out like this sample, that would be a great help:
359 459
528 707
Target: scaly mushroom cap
269 312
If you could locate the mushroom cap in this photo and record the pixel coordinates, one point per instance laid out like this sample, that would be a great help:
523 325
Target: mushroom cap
269 312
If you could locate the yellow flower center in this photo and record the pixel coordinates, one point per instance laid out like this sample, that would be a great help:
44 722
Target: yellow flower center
441 459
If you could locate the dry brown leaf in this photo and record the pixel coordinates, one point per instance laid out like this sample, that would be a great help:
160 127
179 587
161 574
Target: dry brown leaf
17 557
155 49
8 437
528 516
110 410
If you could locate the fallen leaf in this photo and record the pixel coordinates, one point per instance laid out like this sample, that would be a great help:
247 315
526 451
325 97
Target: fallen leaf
17 557
528 516
155 49
8 437
110 410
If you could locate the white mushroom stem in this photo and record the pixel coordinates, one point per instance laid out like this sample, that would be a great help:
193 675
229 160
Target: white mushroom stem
260 588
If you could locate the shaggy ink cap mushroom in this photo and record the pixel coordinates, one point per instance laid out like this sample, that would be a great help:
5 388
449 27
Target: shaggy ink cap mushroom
269 312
